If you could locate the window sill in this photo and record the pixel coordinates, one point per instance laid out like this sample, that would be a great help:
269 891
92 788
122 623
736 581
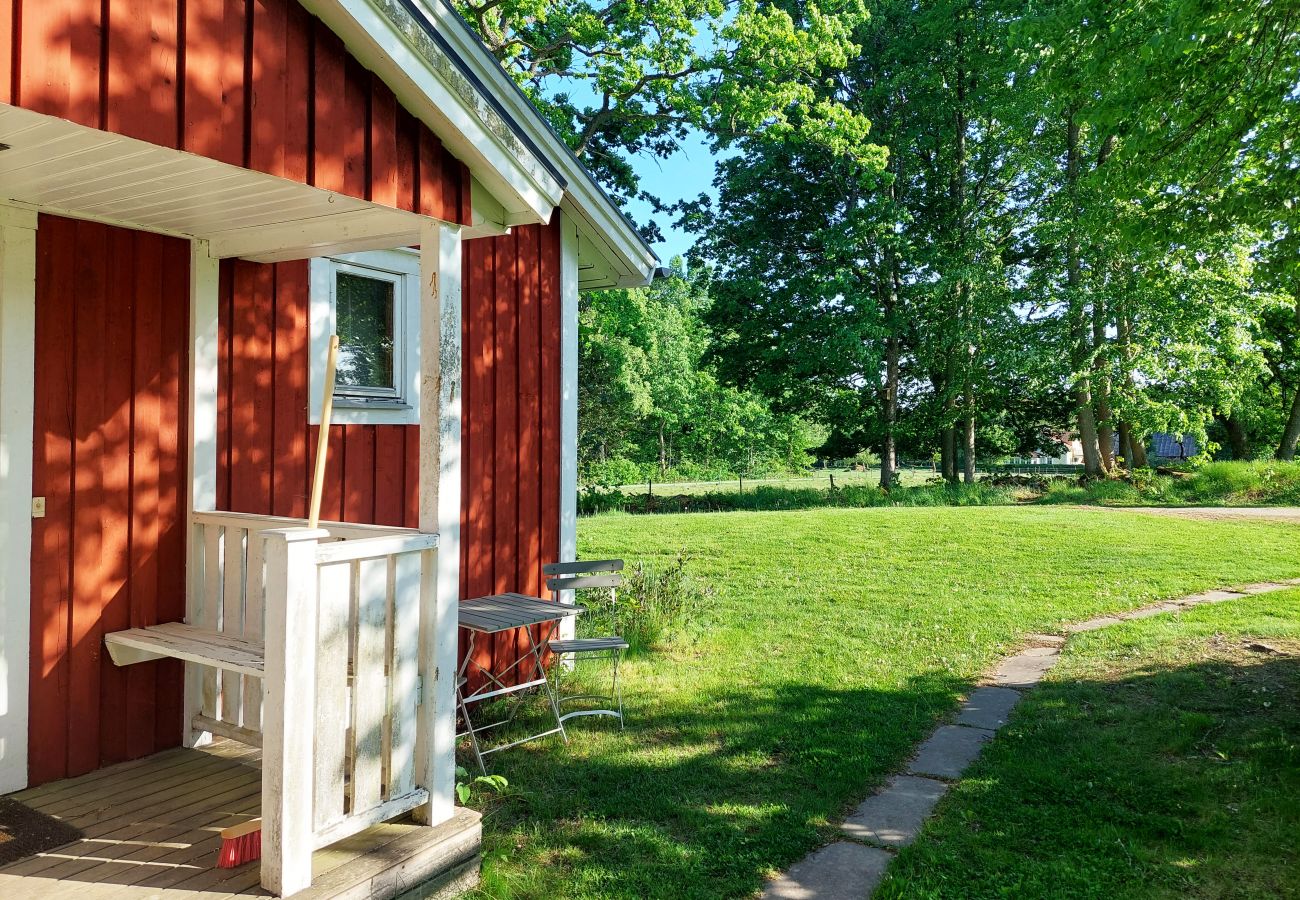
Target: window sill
365 403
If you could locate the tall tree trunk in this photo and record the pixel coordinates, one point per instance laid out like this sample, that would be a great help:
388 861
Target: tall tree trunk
888 454
968 470
948 445
1080 338
1139 452
1126 442
948 454
1131 442
663 452
963 343
1238 442
1101 381
1286 449
888 451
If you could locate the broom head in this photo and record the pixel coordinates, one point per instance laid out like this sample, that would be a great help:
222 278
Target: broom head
240 844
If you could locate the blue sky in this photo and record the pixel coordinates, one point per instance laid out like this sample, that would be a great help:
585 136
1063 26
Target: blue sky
684 175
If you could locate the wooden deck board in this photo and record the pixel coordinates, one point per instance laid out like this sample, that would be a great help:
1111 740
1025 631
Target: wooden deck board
151 831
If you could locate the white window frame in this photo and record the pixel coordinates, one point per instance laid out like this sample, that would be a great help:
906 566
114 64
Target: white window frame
355 405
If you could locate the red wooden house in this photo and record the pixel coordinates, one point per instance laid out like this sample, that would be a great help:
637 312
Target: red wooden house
193 195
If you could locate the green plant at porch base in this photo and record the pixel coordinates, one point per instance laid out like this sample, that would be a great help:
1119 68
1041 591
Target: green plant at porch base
653 606
466 787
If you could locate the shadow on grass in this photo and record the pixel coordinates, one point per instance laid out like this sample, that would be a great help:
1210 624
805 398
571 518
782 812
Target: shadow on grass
1177 782
702 800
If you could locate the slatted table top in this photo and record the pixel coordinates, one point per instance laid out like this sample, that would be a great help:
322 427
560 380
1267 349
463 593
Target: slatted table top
506 612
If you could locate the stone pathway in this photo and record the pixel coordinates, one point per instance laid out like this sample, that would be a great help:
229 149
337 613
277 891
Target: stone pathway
851 869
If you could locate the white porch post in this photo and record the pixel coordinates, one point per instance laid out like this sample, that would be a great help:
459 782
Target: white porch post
17 398
568 405
440 419
289 706
205 273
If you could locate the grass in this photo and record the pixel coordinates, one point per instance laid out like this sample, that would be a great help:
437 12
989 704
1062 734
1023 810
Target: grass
1267 483
835 642
1160 759
815 480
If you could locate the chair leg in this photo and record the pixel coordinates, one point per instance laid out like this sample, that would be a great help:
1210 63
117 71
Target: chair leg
469 725
618 687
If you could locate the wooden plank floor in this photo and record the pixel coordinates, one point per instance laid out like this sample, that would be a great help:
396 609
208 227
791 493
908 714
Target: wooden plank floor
151 831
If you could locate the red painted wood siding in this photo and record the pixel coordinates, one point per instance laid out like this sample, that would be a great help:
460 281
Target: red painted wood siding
511 403
256 83
510 455
111 372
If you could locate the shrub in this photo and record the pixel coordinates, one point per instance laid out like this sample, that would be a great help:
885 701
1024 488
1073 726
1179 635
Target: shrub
651 608
1267 481
612 472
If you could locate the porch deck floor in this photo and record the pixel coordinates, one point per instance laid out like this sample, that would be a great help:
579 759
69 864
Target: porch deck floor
151 831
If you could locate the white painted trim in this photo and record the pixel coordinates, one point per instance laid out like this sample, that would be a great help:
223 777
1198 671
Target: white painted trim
569 250
440 458
205 288
289 709
401 262
607 233
56 166
17 402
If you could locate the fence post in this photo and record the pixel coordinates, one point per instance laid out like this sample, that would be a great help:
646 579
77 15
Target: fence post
289 708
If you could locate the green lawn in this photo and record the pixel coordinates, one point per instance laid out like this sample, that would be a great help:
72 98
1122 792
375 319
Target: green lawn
1161 758
837 640
819 478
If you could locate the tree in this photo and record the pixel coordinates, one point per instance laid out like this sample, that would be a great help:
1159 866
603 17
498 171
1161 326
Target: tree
647 403
843 277
617 78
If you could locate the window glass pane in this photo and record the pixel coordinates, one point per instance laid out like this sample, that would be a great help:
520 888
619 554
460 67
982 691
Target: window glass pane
364 309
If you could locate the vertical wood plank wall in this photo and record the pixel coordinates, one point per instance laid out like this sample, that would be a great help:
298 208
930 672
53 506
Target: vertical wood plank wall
511 403
111 329
256 83
262 84
510 519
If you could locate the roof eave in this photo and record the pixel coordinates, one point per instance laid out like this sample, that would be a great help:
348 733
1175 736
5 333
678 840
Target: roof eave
443 74
386 38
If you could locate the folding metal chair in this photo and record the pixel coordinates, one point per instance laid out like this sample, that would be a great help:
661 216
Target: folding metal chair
581 576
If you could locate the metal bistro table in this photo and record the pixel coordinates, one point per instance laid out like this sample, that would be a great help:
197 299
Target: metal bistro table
493 615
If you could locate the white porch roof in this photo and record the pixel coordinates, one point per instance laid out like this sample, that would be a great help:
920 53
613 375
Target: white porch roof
60 167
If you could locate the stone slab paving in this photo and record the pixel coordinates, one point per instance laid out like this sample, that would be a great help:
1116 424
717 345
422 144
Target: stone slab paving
1026 668
1263 587
1093 624
895 816
841 871
1052 639
988 707
948 751
1147 612
1210 597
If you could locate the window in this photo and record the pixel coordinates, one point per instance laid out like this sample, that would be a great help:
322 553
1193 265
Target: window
371 301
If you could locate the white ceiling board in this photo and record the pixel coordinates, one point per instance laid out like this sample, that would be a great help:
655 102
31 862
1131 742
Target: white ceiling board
67 169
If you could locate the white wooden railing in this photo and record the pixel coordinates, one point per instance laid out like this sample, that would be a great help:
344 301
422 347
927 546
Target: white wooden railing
338 612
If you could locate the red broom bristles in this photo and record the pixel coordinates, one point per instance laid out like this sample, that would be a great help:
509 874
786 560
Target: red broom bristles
240 844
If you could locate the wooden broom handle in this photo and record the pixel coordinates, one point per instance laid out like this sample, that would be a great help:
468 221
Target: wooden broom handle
323 437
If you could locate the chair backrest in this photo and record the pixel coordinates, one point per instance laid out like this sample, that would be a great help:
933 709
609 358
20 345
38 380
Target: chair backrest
583 575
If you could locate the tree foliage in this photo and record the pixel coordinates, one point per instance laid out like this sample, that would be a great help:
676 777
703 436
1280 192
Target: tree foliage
620 78
1085 223
649 406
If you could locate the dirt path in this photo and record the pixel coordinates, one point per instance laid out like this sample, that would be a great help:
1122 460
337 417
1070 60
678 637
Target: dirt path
1256 513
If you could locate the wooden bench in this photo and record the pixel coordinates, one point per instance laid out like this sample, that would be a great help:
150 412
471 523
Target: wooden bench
176 640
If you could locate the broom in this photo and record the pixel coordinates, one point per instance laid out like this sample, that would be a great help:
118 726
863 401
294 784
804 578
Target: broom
242 843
